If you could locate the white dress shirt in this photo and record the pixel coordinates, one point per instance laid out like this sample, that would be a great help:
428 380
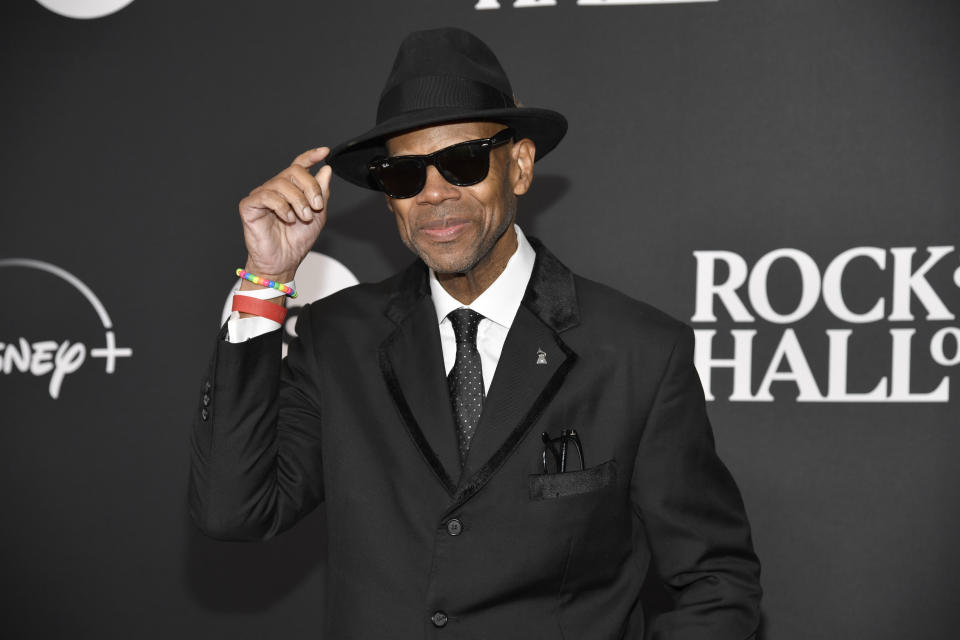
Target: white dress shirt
498 305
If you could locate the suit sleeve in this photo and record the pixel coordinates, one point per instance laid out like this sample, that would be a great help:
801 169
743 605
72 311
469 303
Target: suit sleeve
693 514
256 466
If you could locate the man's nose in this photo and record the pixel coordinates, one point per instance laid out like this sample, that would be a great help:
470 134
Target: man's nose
437 189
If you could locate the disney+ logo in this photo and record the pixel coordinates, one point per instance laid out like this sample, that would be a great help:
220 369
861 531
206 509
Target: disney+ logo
59 358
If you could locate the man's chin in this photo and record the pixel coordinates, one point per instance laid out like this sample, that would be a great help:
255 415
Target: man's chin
447 259
449 268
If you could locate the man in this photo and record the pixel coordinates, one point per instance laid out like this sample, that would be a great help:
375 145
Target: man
502 446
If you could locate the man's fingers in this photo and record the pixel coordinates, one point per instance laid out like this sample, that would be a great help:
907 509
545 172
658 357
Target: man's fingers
293 195
323 180
311 157
310 187
275 201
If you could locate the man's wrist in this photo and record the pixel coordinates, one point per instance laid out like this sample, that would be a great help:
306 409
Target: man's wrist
246 285
280 298
285 276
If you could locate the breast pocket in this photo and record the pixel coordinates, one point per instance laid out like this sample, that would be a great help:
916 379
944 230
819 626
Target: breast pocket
547 486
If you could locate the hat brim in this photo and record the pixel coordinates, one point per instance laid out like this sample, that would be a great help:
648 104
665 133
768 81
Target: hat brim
350 160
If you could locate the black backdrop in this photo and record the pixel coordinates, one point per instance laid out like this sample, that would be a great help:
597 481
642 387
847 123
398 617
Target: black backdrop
737 135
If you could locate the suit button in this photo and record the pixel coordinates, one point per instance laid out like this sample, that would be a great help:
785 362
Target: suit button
454 527
439 619
206 399
206 386
204 414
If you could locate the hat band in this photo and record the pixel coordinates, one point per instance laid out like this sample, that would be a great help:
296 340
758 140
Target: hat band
431 92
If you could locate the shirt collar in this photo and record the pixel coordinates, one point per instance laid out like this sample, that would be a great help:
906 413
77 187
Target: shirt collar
502 298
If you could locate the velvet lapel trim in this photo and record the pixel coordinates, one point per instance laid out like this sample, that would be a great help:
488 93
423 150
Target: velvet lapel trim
411 362
551 294
412 284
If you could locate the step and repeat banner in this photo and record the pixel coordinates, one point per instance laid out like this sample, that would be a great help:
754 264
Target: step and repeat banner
781 175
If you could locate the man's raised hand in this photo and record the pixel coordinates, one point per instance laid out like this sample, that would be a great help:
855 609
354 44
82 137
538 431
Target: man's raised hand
283 217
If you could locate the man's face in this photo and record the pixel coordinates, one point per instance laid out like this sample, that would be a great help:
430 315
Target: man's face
457 229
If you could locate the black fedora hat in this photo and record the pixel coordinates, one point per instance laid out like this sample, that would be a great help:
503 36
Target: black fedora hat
441 76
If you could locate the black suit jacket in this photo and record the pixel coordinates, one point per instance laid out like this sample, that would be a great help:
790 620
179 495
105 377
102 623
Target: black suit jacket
358 415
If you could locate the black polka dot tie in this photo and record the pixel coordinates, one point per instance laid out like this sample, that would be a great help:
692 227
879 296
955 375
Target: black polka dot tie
466 378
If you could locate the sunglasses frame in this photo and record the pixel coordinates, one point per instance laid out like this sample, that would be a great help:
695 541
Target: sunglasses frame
486 144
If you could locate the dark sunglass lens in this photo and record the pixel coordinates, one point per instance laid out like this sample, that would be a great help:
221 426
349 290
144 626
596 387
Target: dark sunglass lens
464 164
402 177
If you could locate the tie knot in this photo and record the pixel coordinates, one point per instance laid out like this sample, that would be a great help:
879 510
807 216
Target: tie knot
465 323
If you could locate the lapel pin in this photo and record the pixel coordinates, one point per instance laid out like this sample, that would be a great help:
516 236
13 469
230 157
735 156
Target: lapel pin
541 356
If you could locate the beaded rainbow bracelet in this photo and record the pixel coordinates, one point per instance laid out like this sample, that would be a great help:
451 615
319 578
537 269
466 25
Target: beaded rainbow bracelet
263 282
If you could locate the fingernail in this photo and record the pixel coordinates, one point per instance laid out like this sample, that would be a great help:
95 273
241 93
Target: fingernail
317 202
307 213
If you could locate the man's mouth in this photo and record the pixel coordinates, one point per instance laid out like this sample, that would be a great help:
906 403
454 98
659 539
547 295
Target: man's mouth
445 229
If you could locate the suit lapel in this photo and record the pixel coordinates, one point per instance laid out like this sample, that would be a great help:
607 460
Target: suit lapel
520 391
411 363
524 383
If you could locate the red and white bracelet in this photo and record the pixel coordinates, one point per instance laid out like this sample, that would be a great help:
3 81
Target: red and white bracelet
262 308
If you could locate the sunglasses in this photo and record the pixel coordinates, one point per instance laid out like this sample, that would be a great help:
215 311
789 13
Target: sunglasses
462 164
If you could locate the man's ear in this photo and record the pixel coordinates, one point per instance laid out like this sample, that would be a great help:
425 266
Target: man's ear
521 165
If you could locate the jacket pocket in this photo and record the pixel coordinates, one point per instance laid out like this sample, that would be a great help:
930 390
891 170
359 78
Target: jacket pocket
545 486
